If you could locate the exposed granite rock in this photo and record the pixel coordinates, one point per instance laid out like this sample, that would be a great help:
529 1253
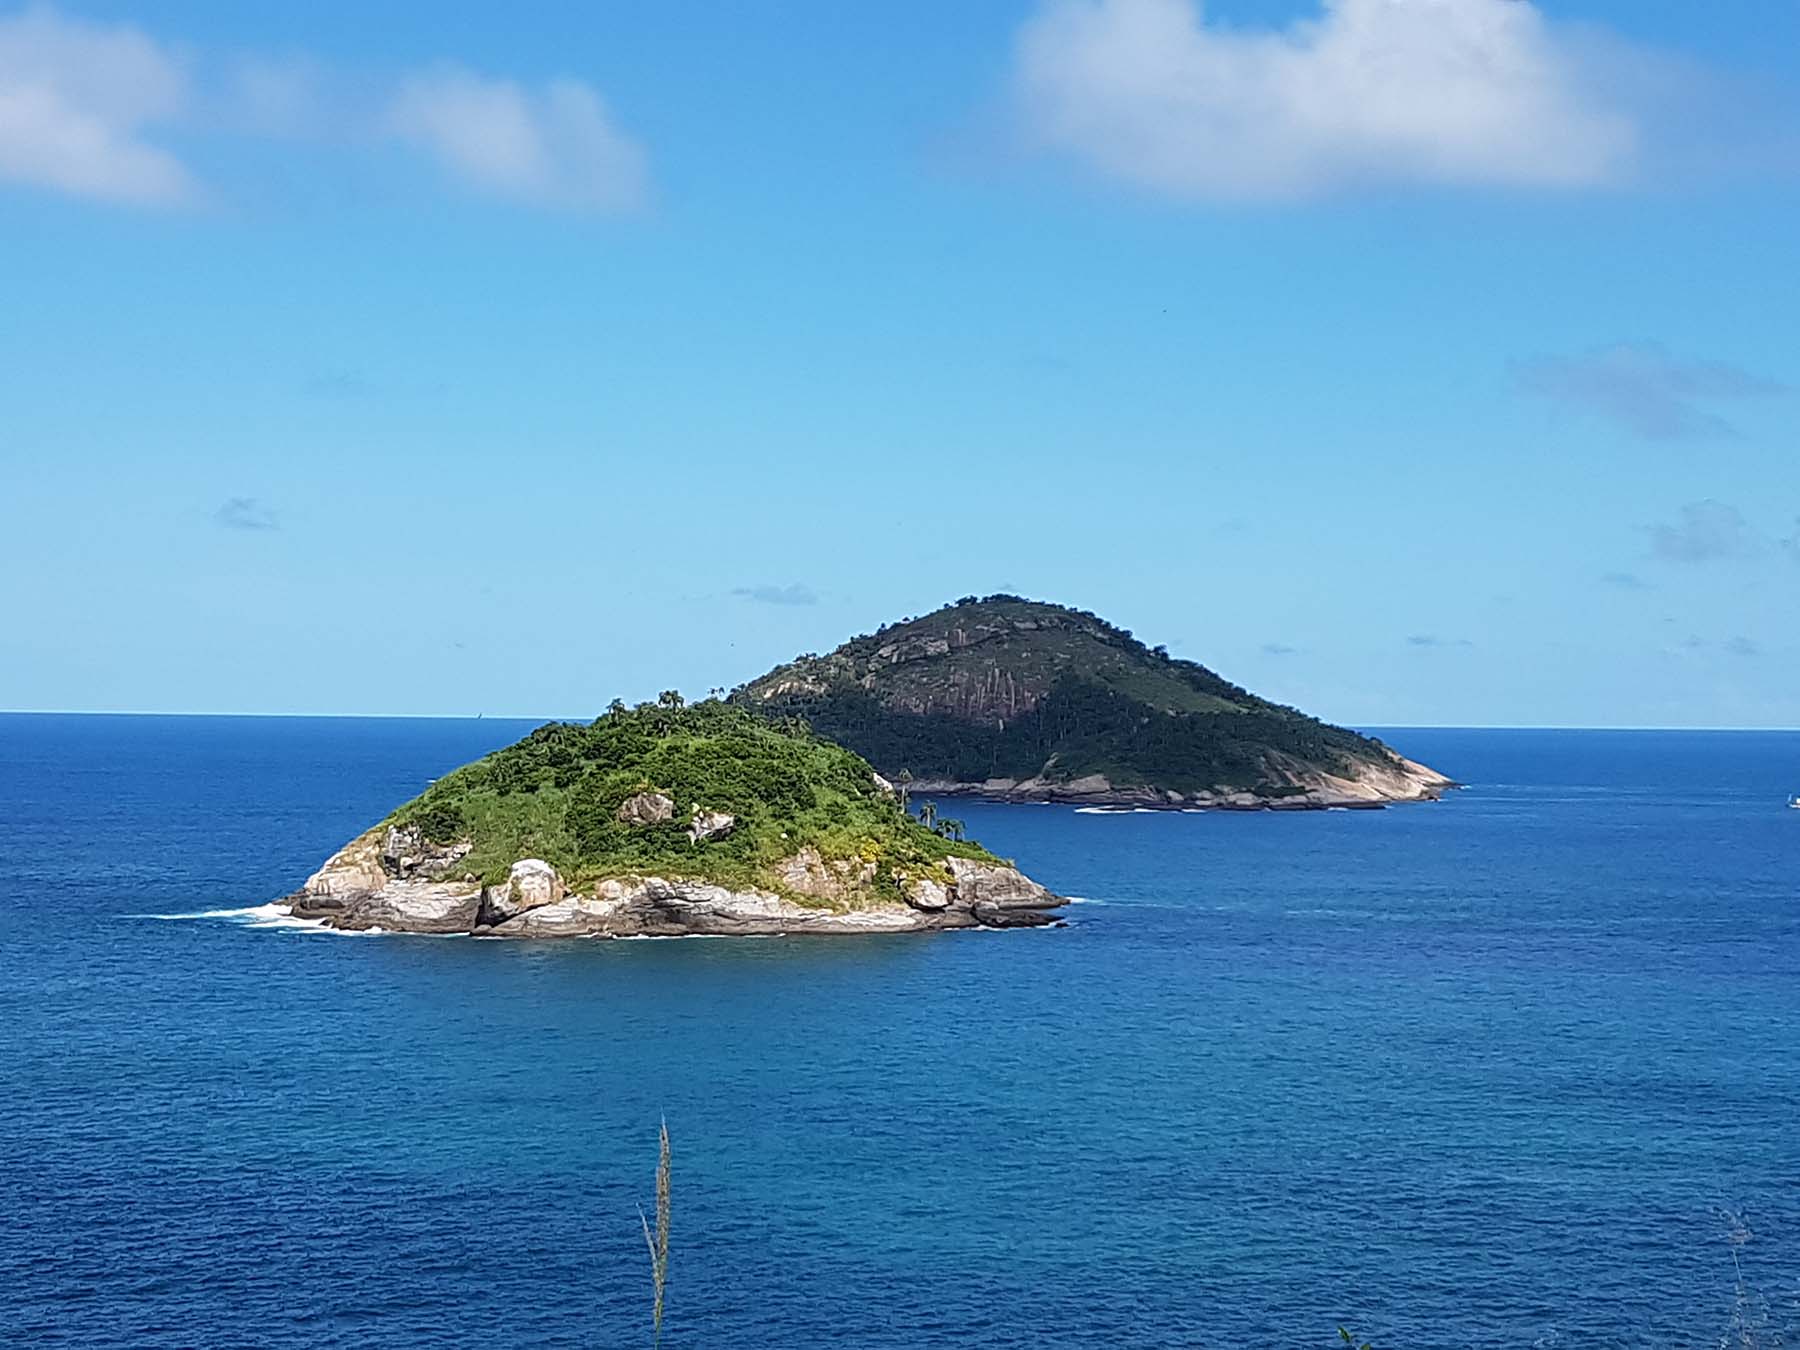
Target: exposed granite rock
408 907
354 870
926 894
664 907
406 852
530 883
979 884
806 873
710 825
822 896
647 808
1292 787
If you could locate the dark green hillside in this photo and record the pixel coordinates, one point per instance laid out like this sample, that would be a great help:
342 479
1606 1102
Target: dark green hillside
1006 688
557 795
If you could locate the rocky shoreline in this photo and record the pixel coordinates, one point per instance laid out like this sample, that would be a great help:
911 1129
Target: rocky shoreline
1370 788
392 881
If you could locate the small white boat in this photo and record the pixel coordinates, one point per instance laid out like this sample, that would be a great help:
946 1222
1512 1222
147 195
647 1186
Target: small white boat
1794 802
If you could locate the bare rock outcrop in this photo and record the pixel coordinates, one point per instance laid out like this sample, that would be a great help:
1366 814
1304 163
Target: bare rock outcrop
979 883
1292 786
925 893
807 873
530 883
354 870
647 808
406 852
355 890
710 825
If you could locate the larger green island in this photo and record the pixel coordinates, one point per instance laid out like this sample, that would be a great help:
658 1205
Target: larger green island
666 820
1019 700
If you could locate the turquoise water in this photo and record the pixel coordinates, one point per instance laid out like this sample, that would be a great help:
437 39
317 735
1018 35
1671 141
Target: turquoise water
1484 1073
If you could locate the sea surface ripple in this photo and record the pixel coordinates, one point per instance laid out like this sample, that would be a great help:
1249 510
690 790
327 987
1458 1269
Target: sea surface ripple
1517 1069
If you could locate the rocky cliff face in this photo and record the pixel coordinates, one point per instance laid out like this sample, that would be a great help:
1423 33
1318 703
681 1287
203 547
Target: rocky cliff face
979 667
383 880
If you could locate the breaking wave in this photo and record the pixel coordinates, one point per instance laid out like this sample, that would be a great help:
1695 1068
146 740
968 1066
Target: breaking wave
271 915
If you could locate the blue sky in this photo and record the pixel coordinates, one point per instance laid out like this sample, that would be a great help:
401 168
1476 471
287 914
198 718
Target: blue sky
1416 361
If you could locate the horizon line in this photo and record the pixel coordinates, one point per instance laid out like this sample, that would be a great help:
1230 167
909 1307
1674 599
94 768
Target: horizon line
541 719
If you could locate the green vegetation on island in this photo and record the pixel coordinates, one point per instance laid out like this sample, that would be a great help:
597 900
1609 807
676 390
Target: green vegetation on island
1011 689
563 794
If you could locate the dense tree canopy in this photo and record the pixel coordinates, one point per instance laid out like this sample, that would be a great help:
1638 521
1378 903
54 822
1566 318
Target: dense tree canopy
557 793
1002 687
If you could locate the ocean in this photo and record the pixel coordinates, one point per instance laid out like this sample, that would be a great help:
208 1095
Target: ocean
1520 1068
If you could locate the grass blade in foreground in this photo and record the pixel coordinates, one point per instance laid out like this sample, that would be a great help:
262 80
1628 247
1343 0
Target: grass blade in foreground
659 1241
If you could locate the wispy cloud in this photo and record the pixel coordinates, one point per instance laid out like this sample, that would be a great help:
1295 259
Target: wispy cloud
338 384
1627 581
246 513
81 104
1486 92
1706 532
1642 387
1739 646
556 145
1433 640
794 594
1279 649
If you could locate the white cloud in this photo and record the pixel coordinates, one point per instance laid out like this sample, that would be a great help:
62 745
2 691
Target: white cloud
555 146
78 102
82 106
1481 92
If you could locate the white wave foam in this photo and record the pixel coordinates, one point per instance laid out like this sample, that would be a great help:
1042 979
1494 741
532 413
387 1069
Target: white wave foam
267 916
1104 810
689 937
983 928
246 914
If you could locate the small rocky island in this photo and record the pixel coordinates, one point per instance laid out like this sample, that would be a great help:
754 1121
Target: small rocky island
666 820
1018 700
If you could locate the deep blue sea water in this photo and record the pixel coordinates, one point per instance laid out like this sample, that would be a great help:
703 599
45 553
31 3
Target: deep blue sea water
1481 1073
